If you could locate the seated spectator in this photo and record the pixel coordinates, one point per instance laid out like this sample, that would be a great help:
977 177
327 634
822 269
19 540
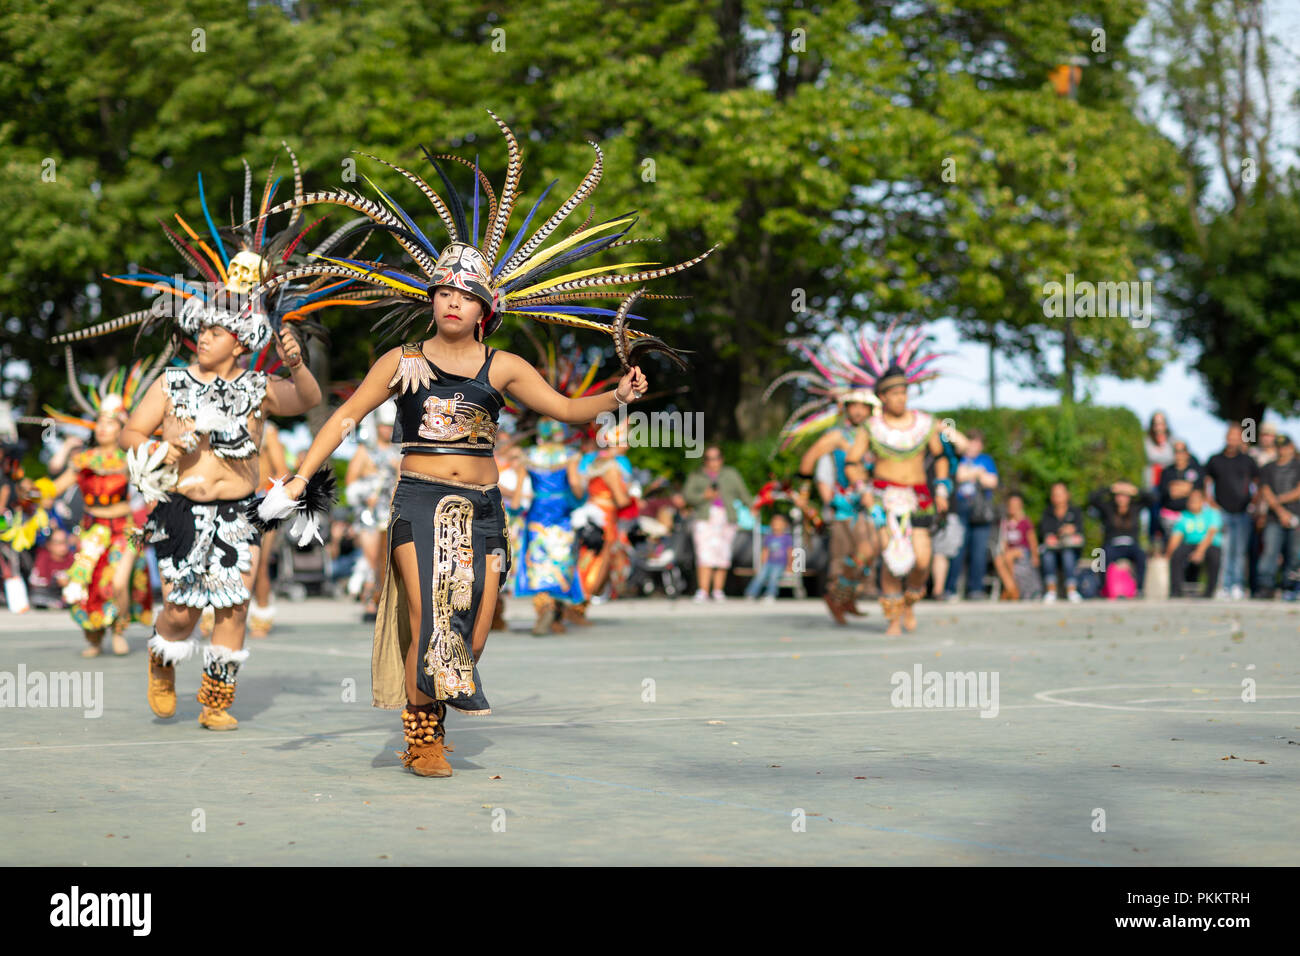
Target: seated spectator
50 573
1279 492
1060 535
1176 483
1197 538
1017 560
1118 507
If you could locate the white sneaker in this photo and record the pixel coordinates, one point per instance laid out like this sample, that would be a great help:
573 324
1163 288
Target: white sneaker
719 596
1238 592
769 599
1049 597
1075 597
700 597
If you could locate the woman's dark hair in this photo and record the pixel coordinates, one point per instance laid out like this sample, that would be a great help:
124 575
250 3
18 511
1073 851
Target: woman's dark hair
1151 426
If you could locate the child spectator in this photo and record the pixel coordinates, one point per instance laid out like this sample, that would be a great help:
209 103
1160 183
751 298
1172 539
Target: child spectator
1197 538
50 573
777 549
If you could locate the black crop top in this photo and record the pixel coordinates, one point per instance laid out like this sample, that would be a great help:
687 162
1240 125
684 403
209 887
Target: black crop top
441 413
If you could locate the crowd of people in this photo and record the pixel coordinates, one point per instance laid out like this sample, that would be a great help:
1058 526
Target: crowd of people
1228 527
172 512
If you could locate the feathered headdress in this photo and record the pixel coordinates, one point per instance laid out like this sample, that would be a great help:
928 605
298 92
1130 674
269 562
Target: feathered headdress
526 277
836 380
221 275
114 394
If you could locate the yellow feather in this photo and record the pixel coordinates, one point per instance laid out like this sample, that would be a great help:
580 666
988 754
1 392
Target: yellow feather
552 281
545 256
555 318
374 277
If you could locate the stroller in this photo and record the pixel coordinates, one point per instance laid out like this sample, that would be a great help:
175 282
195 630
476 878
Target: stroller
658 556
299 572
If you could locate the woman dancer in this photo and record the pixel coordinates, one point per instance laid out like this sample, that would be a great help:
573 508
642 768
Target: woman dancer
448 542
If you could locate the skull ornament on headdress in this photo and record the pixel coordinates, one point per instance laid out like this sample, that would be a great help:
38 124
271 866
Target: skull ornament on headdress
224 274
245 271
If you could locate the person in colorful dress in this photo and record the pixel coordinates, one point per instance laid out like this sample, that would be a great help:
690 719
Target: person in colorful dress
108 583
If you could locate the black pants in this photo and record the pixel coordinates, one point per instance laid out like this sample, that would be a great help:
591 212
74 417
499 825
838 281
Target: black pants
1178 569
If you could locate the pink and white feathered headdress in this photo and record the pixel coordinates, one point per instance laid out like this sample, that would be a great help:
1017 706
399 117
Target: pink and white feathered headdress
836 378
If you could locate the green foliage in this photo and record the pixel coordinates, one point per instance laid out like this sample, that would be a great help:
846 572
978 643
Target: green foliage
816 165
1247 310
1086 446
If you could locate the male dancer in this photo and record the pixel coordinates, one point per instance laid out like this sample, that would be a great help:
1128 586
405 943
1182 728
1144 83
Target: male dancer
899 439
212 417
849 500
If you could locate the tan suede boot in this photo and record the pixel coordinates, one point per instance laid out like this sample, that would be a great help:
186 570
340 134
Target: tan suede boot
576 614
544 605
216 697
164 655
260 619
423 728
162 687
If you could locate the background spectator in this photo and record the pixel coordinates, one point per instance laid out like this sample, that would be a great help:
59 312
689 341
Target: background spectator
1196 539
1279 488
1177 482
1159 447
1060 535
1119 507
976 477
712 492
777 549
1232 474
50 573
1017 560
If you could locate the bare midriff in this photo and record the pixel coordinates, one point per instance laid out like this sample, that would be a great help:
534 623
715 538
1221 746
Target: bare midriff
475 469
908 471
470 468
204 476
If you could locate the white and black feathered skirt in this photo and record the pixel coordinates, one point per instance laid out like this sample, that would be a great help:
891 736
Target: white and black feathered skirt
203 549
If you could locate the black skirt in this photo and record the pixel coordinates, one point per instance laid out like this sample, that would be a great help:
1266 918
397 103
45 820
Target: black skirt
460 535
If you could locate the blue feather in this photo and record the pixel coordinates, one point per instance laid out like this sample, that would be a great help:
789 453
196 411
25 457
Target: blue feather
523 229
216 236
476 200
429 246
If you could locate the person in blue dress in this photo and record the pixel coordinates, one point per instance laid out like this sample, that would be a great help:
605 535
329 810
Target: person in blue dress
550 546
